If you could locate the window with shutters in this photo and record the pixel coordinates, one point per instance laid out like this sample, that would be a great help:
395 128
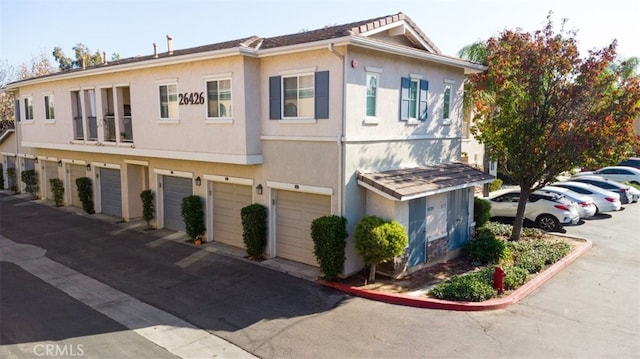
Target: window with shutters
414 97
301 97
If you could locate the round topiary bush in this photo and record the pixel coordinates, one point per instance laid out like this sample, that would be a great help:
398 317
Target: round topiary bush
378 241
485 248
254 229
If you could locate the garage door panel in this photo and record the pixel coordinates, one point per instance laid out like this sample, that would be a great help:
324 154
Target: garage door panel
228 201
174 189
294 214
111 192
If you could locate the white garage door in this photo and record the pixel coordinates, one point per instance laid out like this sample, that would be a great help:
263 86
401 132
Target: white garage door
110 192
294 213
228 200
174 189
76 171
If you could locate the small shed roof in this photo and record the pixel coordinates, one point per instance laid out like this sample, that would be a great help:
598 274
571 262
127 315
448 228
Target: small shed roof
410 183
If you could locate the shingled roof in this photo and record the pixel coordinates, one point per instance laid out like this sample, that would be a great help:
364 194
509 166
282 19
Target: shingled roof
404 184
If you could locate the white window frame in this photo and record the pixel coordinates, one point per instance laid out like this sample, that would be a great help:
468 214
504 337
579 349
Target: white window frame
283 97
28 105
414 120
168 119
49 103
446 102
220 119
372 72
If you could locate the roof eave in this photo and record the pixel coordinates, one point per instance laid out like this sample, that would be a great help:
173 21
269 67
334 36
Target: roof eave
469 67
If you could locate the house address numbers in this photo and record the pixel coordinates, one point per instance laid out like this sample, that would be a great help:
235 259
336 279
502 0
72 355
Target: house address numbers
193 98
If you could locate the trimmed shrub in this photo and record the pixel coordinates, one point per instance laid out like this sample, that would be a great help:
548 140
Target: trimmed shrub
472 287
148 208
329 234
481 211
13 180
485 248
30 180
495 185
254 229
531 261
85 193
515 277
499 229
534 233
378 241
193 215
57 188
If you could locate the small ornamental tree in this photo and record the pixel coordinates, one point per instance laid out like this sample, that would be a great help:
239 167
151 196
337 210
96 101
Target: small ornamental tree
30 180
147 206
329 234
57 188
85 193
193 216
254 229
379 240
541 109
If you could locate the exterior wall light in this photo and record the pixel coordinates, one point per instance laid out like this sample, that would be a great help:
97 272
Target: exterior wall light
198 181
259 189
88 167
60 163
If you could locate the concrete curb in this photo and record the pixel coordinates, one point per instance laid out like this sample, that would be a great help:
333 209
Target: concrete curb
492 304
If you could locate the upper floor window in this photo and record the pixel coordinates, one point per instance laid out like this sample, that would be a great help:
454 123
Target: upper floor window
219 99
28 108
372 94
49 113
168 101
413 99
446 105
299 96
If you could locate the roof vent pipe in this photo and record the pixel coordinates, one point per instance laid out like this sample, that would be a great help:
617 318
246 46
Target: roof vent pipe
170 44
104 57
155 50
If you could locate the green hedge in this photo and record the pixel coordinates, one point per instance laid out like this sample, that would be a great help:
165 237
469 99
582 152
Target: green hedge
481 211
85 192
254 229
30 180
193 215
57 188
329 234
485 248
148 208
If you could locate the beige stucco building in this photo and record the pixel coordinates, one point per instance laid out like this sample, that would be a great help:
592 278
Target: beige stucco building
352 120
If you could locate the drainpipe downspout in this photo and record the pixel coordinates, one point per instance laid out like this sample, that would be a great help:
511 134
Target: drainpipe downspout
340 142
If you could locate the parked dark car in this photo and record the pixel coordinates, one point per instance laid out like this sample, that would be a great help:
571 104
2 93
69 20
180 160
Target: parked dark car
631 162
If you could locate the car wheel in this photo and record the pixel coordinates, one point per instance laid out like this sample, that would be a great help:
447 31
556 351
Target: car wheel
548 223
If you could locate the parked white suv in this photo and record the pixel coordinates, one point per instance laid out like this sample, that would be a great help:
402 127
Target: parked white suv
547 210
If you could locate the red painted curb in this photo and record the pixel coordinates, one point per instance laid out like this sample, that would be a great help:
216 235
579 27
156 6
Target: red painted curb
498 303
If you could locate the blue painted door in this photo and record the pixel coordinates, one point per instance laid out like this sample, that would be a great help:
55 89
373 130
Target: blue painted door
417 232
458 218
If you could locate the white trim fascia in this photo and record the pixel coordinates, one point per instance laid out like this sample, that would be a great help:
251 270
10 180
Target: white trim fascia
150 63
300 188
136 162
301 71
6 134
299 138
405 27
469 67
228 179
47 158
105 165
217 76
25 155
164 154
74 162
377 191
397 139
182 174
8 154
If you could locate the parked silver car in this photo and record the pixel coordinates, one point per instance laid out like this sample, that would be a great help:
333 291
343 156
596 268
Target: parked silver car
586 205
625 191
606 201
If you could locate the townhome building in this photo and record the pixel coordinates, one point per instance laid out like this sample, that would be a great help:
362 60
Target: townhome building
351 120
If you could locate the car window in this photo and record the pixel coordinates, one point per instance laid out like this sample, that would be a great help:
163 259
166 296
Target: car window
609 171
578 189
624 172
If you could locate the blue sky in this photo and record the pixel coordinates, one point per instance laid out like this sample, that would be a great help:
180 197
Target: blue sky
129 27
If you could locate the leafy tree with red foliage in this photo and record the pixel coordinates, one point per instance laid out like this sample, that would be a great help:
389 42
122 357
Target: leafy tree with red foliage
541 109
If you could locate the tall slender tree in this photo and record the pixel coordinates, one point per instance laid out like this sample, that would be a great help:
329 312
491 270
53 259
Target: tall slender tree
551 110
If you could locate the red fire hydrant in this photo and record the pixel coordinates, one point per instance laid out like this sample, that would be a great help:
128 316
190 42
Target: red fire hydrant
498 279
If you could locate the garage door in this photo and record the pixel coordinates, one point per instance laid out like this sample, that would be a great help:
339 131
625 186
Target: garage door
294 213
111 192
228 200
51 172
174 189
76 171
